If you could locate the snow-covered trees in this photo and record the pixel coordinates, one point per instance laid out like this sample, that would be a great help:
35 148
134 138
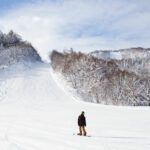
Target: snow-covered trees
13 49
10 39
108 81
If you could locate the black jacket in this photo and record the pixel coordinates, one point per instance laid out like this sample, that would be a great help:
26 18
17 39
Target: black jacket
81 120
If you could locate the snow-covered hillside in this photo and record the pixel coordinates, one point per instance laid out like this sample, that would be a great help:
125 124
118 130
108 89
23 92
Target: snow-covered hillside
131 53
13 50
102 77
36 113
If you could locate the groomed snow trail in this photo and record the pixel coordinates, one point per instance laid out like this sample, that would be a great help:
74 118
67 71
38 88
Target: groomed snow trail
36 114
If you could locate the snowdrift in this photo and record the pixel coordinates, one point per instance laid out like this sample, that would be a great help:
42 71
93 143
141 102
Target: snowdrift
113 77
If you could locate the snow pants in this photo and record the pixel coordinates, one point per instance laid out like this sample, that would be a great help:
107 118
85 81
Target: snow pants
82 129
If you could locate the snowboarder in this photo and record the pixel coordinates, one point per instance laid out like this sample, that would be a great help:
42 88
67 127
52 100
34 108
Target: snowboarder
82 124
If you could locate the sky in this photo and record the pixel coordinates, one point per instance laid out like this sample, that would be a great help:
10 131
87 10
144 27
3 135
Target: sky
84 25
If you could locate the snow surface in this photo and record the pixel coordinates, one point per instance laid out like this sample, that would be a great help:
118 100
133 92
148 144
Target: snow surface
36 113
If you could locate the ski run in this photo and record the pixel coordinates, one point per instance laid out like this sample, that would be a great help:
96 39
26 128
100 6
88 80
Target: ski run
37 113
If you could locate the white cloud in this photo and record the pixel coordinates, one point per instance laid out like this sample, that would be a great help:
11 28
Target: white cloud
82 24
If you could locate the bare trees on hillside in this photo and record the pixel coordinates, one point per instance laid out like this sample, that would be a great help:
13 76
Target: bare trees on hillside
108 81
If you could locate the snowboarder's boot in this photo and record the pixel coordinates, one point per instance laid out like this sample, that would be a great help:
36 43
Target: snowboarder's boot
84 134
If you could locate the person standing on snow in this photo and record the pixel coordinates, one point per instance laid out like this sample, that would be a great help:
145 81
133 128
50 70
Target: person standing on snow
82 124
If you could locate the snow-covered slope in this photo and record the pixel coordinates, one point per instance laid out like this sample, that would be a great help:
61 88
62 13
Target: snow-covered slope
107 81
130 53
13 50
36 113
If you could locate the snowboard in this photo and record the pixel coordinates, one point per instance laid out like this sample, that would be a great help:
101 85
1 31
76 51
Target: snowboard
82 135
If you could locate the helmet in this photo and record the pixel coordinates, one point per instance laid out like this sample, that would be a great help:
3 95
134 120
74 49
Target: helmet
82 113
